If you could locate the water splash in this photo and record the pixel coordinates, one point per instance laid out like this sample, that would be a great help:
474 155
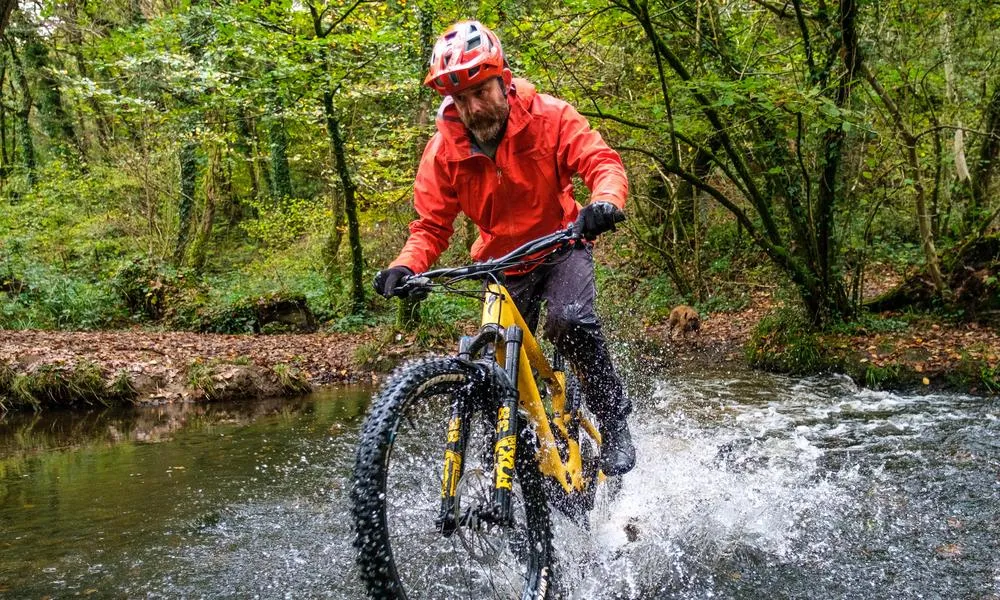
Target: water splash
747 486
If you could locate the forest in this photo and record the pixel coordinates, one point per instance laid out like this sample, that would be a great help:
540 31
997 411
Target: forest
205 165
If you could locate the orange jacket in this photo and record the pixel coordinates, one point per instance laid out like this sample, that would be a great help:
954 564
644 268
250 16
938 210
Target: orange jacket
525 193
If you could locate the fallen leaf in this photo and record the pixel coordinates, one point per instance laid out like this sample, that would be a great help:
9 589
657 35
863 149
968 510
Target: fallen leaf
926 381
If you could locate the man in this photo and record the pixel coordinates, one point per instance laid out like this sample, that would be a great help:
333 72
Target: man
505 155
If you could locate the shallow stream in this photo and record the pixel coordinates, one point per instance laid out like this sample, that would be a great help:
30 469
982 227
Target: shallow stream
748 486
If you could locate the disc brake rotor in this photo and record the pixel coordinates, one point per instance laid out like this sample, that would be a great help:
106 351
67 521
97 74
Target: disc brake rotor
483 540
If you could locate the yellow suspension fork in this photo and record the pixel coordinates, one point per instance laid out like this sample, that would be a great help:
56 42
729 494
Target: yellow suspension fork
458 434
507 425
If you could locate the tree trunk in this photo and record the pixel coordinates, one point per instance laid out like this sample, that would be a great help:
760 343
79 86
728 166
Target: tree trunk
350 205
55 120
6 7
22 113
212 188
408 311
185 205
281 178
914 174
989 152
101 117
4 155
244 144
336 236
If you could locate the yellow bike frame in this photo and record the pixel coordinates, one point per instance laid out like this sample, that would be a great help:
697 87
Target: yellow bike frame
499 310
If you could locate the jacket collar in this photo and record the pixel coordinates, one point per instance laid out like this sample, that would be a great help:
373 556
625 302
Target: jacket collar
457 144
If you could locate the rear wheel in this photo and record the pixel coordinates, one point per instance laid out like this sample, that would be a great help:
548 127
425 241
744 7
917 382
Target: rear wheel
397 495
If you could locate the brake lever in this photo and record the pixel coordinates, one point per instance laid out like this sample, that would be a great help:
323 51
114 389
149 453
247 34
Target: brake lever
415 287
571 235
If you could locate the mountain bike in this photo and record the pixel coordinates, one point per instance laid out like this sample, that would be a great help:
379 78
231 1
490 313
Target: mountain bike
462 458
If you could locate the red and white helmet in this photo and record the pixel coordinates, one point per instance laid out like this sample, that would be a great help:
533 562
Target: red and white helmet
465 55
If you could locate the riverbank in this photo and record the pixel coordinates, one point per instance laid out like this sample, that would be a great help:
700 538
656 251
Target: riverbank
54 368
40 368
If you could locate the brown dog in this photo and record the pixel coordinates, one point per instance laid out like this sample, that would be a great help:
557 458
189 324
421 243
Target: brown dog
683 319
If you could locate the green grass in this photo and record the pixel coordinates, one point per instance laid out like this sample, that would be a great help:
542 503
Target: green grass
122 388
291 379
57 385
785 342
201 377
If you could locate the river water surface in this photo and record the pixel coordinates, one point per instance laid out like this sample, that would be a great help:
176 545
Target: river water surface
747 486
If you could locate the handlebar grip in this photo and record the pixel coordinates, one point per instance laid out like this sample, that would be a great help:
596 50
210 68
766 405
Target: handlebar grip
413 286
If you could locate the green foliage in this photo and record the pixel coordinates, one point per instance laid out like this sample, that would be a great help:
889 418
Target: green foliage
658 296
50 299
352 323
58 385
442 317
144 286
90 243
122 389
975 373
784 341
7 375
990 378
201 377
870 324
283 222
291 380
880 377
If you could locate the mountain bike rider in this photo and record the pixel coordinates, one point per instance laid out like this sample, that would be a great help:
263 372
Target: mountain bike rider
505 155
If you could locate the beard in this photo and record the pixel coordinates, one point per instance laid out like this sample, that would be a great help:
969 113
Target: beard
487 124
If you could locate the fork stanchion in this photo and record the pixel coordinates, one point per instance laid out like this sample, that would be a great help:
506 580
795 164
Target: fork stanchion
506 432
458 433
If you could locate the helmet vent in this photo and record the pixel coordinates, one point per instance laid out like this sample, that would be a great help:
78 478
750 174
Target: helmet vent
472 43
454 78
473 72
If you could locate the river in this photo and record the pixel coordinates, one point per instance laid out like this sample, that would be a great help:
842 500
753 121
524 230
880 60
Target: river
748 486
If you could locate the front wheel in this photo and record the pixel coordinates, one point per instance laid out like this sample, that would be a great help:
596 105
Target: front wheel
397 495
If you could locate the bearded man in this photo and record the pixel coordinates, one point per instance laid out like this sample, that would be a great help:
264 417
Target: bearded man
505 155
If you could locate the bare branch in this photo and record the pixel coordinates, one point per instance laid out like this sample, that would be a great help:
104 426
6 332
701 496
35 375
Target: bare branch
807 44
600 114
346 14
782 11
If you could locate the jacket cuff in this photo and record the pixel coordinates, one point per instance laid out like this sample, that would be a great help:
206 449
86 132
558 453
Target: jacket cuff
605 197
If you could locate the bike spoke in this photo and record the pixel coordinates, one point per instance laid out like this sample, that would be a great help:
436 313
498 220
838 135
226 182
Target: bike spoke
478 560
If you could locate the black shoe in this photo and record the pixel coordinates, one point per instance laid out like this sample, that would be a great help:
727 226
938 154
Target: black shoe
617 451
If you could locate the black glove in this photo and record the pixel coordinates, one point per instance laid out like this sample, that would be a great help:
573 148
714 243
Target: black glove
596 218
387 280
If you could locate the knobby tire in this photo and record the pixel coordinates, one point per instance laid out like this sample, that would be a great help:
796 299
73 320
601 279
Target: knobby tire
413 388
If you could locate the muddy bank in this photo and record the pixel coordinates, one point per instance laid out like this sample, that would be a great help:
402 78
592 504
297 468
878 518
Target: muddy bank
40 369
51 368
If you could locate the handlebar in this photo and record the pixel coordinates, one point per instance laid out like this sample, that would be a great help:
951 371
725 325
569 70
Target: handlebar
418 286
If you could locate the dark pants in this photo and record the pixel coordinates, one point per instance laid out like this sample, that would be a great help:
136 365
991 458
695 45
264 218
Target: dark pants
565 282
